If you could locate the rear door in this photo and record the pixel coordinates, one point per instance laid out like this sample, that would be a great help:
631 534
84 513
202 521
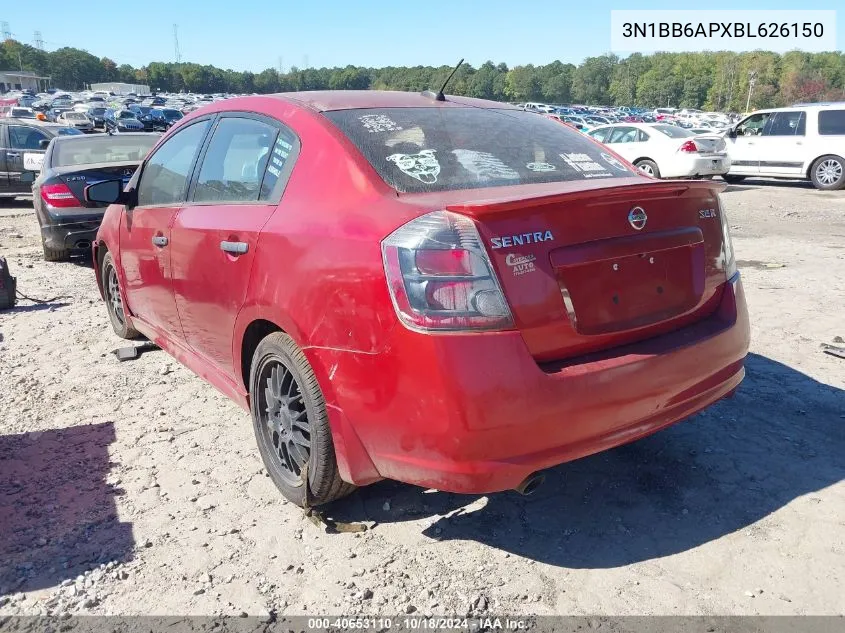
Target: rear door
237 187
4 171
781 144
145 249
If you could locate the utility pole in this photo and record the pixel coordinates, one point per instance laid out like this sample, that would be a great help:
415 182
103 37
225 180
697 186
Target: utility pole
280 65
5 30
305 61
38 40
752 79
176 51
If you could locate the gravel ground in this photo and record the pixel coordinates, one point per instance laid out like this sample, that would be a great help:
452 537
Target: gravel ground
135 488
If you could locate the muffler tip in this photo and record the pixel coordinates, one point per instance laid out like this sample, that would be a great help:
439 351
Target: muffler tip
530 484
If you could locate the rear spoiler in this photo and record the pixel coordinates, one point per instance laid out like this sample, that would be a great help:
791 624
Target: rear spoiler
629 191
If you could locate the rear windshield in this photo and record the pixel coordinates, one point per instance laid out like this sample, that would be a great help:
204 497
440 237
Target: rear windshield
437 149
672 131
832 122
102 149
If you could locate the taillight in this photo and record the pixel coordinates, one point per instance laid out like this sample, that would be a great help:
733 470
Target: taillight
728 255
688 146
59 195
440 277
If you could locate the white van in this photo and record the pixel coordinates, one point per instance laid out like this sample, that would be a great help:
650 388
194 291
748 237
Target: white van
805 142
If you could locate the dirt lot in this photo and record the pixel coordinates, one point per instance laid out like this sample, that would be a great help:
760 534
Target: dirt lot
137 488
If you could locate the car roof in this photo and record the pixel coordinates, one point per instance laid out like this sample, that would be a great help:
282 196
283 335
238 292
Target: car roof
74 137
326 100
34 122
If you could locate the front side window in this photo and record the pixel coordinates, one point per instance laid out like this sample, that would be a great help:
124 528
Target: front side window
601 134
165 176
785 124
22 137
624 135
445 148
242 155
832 122
753 125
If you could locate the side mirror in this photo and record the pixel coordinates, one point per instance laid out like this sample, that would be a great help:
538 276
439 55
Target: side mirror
43 143
27 177
106 192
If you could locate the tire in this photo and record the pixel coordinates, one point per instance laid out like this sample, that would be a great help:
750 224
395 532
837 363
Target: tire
291 424
732 180
55 254
114 300
828 172
648 166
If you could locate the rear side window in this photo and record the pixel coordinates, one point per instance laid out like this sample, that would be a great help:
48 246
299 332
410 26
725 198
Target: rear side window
165 176
443 148
243 162
832 122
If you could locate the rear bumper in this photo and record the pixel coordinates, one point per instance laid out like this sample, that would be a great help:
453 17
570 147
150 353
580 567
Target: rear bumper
72 229
476 413
694 165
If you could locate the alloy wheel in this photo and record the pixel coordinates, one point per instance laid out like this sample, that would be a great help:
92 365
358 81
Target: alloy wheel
829 171
284 419
114 296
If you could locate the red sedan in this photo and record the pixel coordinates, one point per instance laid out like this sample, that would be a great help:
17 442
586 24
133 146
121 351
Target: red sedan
455 294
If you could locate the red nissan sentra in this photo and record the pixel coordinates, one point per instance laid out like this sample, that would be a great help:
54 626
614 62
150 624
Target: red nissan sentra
455 294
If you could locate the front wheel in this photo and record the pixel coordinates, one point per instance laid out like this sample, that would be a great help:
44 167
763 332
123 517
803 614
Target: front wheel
648 166
291 424
732 180
828 173
114 300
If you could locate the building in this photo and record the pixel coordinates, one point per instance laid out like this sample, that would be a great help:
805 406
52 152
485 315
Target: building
22 80
119 88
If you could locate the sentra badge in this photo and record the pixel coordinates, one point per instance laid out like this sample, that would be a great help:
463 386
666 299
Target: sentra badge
506 241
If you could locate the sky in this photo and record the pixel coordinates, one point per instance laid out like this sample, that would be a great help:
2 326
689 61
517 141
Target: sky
252 35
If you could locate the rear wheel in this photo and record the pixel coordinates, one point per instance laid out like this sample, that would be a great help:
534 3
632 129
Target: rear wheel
732 180
55 254
291 424
648 166
828 172
114 300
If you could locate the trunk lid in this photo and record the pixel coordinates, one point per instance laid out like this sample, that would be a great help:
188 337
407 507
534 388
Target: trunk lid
709 144
77 177
599 264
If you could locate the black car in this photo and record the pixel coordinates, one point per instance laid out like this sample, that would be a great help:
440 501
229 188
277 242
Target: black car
22 146
171 116
122 121
97 114
71 163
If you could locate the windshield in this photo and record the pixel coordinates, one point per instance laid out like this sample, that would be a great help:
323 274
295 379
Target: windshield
102 149
673 132
97 111
172 115
75 116
126 114
22 113
444 148
69 131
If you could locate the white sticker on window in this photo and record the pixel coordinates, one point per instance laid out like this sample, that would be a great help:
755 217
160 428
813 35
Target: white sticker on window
484 165
613 162
374 123
423 166
586 166
540 167
32 161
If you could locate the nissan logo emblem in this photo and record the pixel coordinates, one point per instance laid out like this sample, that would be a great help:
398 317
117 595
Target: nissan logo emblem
637 218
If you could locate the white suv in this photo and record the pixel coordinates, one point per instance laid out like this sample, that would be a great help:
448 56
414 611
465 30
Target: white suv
802 142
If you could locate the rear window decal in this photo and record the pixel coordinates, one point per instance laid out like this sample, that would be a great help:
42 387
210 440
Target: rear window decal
484 165
423 166
613 162
540 167
585 165
375 123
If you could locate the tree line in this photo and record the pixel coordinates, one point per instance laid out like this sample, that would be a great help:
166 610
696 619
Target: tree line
709 80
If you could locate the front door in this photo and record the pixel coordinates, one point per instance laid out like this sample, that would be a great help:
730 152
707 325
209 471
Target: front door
23 153
744 145
145 236
215 235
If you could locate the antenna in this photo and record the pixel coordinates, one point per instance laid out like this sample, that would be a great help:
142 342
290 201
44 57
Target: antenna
176 51
440 96
5 30
280 65
38 40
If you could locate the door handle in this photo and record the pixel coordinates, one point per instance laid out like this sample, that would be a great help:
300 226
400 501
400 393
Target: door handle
235 248
12 154
159 240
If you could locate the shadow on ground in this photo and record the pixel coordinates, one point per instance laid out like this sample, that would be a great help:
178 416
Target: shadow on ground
58 516
780 438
